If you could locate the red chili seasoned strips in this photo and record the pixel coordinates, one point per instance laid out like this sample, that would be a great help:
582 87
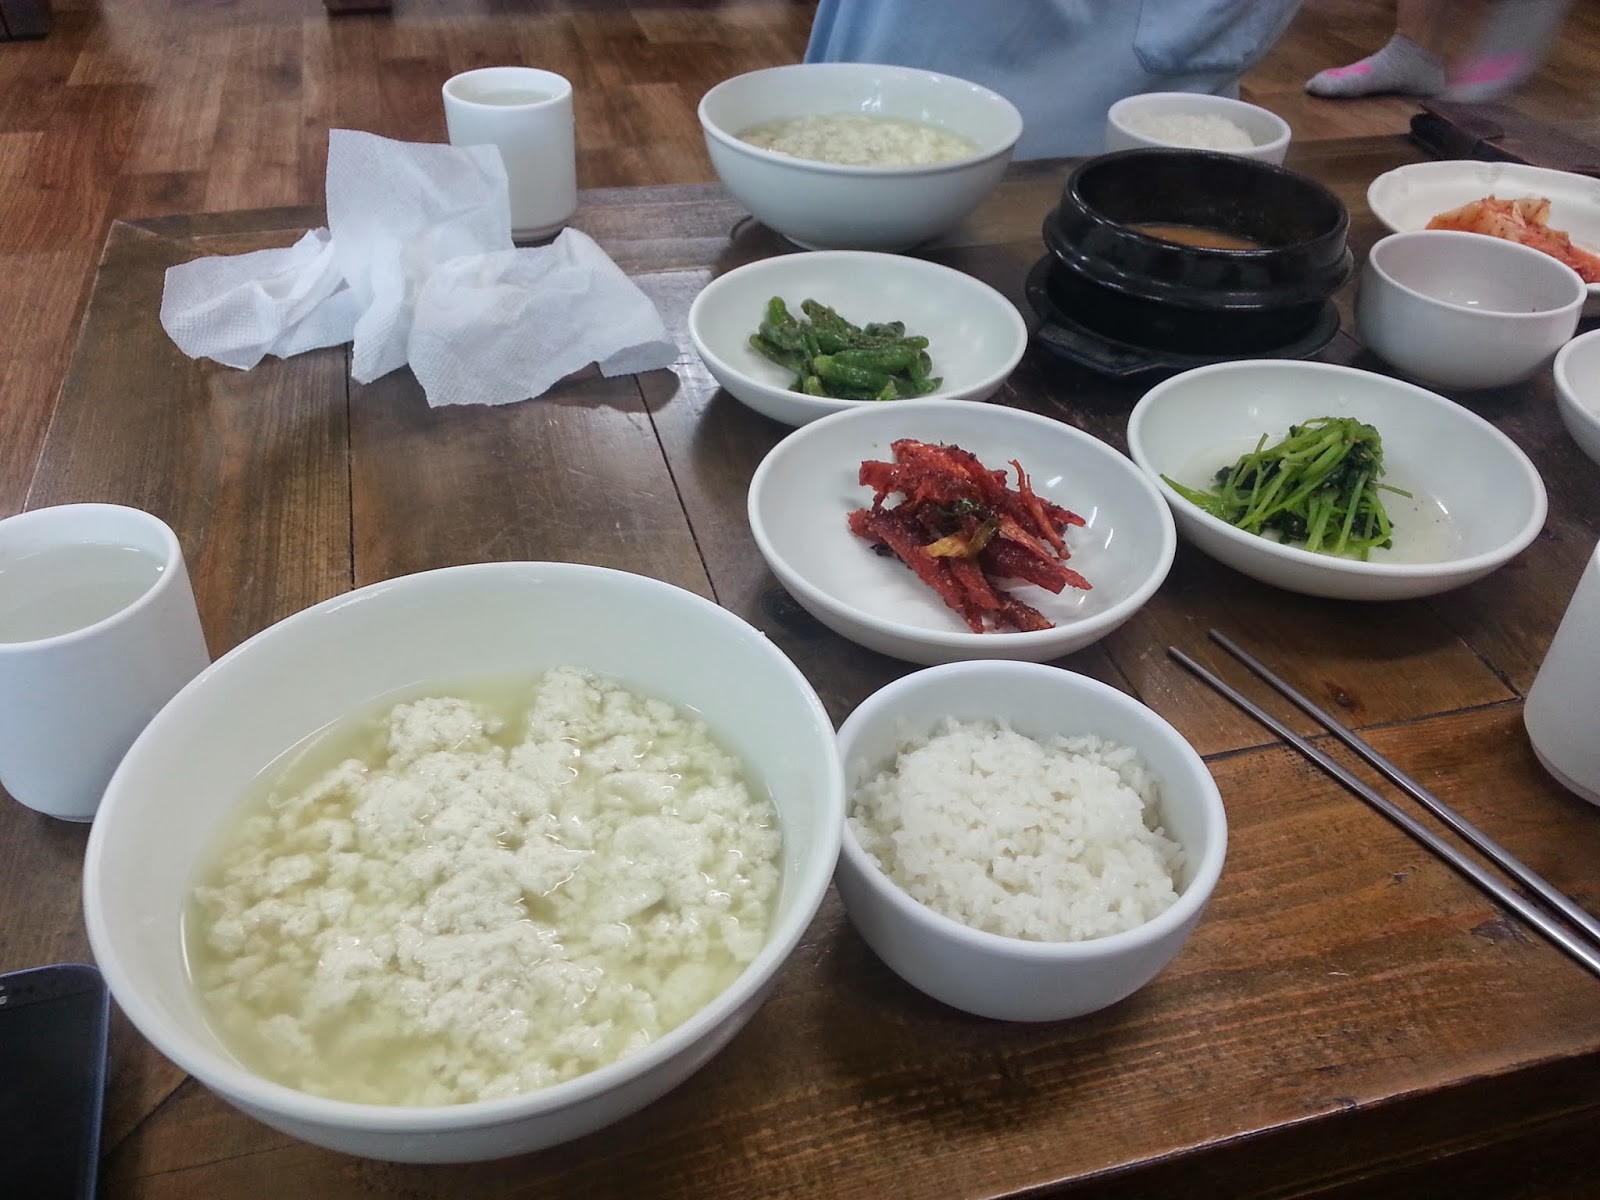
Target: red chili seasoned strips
960 527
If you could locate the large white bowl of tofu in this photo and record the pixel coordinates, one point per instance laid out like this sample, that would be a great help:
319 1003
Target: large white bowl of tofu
449 1033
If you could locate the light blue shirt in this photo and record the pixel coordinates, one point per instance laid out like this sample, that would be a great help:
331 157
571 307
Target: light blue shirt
1061 62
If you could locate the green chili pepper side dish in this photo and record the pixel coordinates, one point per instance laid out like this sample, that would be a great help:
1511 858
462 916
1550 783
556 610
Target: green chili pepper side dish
1317 488
833 357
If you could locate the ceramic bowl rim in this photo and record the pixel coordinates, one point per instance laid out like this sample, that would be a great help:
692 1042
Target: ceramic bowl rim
731 141
884 260
216 1069
1118 111
1190 902
1446 237
1566 395
1327 563
960 639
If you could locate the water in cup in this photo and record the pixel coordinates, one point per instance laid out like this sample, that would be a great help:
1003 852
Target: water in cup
59 589
506 97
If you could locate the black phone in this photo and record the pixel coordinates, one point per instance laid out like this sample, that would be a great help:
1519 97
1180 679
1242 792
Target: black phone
54 1023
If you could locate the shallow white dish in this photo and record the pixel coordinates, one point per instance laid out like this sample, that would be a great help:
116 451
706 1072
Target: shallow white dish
975 335
804 490
832 206
1477 502
1004 977
1269 131
197 760
1577 373
1409 197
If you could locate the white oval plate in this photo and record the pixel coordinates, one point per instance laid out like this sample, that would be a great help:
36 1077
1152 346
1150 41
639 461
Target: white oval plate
1471 509
1409 197
976 337
804 490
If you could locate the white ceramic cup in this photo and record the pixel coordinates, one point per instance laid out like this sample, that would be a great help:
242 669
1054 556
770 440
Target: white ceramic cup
527 113
98 630
1563 709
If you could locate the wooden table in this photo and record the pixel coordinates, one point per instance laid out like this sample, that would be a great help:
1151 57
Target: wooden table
1350 1019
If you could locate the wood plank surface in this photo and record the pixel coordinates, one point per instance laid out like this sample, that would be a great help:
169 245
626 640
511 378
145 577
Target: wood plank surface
576 478
138 108
1349 1019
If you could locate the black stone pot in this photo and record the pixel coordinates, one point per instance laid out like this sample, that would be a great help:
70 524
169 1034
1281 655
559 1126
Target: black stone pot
1149 292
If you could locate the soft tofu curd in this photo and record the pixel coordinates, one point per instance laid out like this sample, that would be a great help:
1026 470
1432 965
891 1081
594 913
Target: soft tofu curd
483 899
859 140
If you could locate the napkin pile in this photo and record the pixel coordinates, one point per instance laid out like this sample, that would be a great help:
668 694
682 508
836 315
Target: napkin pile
417 267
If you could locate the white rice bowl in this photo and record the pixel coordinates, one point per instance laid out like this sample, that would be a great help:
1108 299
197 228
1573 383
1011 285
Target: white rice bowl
1054 840
1129 896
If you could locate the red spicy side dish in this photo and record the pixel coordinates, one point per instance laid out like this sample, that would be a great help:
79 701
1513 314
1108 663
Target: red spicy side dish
960 526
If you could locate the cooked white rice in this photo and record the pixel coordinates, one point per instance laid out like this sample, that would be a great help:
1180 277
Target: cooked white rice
1199 132
855 140
1052 841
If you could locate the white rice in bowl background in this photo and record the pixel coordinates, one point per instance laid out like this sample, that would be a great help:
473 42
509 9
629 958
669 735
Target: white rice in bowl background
1202 131
1055 840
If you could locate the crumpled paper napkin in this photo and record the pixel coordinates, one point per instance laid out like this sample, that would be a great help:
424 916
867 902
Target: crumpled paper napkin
417 267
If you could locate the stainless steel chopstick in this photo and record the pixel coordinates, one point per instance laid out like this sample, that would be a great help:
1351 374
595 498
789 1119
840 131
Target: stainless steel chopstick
1567 939
1508 862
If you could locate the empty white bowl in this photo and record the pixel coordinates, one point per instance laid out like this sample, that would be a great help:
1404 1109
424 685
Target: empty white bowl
822 205
1461 310
1476 499
975 335
186 774
1577 374
1010 978
1269 132
804 490
1409 197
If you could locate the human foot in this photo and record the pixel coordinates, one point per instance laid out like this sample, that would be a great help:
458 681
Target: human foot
1402 66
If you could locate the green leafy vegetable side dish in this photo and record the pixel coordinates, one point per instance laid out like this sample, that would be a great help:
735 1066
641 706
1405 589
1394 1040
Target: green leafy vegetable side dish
1318 488
832 357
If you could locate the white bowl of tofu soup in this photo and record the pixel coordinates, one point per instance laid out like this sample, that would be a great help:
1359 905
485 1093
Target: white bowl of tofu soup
469 862
858 156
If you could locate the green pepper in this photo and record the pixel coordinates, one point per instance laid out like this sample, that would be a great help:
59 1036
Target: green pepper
831 356
897 357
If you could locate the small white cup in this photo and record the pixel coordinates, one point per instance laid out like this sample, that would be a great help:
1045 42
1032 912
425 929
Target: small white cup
527 113
1563 709
98 630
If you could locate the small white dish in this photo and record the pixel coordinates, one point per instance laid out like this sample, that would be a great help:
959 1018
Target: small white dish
1577 374
1008 978
804 490
1476 499
1409 197
1269 131
1459 310
975 335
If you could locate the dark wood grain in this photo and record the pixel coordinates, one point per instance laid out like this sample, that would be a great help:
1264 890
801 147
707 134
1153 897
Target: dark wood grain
576 478
251 468
1351 1019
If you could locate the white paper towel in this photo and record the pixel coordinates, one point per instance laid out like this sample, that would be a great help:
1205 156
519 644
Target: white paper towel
417 267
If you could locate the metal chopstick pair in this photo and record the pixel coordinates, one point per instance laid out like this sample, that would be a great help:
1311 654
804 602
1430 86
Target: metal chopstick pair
1580 939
